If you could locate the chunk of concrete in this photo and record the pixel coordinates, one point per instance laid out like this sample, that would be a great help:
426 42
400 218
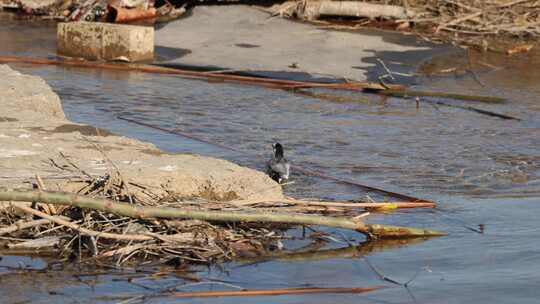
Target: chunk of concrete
34 131
106 41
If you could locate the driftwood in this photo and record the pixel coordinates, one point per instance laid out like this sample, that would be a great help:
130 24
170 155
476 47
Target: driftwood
313 10
141 212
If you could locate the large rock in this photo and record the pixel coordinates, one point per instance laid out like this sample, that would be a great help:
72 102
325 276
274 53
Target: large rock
35 138
106 41
24 94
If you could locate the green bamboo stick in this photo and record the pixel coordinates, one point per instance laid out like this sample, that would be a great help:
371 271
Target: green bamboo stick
143 212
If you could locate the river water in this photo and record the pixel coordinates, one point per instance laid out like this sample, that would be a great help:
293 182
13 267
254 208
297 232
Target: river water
480 169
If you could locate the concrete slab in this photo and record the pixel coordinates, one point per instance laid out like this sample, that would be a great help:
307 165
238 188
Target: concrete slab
246 38
34 134
96 41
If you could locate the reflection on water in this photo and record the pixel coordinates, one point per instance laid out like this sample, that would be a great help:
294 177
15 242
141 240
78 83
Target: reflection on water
482 170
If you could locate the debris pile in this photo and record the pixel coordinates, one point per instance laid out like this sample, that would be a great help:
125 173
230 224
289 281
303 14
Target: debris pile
475 23
108 222
462 22
118 11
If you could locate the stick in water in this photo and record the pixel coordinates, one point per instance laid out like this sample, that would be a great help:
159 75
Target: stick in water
135 211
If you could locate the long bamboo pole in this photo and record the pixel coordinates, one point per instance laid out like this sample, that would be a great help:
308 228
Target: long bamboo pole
134 211
359 205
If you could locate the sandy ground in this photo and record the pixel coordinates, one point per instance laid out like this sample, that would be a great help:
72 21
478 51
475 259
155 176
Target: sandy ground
34 134
245 38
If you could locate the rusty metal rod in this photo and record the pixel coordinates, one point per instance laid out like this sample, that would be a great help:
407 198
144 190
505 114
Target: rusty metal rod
146 68
358 86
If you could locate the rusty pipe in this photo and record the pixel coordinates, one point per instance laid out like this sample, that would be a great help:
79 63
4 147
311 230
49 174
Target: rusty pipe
119 14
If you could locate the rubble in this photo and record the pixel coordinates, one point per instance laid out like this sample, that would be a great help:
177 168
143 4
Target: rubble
114 11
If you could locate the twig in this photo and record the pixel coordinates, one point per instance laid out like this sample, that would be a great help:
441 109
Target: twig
380 274
123 183
458 20
49 208
386 68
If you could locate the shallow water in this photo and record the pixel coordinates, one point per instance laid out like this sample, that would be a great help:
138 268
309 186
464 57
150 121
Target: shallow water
481 170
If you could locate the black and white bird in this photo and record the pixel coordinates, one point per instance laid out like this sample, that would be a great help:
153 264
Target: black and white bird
278 167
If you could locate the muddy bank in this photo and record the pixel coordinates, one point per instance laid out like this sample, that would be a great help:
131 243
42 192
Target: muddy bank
36 139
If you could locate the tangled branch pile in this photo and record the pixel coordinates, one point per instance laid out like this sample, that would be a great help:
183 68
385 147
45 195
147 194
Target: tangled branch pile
473 21
460 21
171 228
102 236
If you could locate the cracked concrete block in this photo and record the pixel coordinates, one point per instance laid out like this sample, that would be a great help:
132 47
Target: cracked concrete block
105 41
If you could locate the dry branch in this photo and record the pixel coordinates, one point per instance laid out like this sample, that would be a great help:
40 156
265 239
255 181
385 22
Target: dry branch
21 226
141 212
125 237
